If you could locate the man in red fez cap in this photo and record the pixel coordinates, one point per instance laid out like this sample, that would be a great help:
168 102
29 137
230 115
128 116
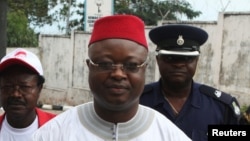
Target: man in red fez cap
121 27
117 64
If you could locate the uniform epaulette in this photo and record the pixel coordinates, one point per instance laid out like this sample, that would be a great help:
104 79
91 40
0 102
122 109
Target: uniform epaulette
221 96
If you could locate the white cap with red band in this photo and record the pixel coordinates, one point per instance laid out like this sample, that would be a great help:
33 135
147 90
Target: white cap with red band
22 57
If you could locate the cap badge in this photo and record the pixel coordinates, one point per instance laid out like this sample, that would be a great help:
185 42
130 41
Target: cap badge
180 40
20 54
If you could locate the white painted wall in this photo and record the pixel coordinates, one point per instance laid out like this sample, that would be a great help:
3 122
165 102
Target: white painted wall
224 62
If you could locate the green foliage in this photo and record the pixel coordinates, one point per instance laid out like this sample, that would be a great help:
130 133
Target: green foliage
245 115
243 108
152 11
34 10
19 34
48 12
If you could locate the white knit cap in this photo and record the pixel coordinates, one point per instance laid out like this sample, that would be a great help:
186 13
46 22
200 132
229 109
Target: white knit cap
22 57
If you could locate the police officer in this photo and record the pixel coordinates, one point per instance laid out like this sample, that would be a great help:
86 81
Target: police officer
190 105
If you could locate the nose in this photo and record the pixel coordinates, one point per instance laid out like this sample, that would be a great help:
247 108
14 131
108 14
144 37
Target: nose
118 67
118 71
15 90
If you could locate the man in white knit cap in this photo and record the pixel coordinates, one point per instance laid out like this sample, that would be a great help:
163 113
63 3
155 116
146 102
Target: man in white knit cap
21 81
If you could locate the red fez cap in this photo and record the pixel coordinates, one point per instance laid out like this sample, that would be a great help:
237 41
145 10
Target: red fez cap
120 27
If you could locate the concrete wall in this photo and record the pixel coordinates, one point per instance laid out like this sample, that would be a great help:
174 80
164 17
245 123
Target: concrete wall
224 61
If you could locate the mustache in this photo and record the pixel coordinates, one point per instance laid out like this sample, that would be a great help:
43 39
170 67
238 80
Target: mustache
14 101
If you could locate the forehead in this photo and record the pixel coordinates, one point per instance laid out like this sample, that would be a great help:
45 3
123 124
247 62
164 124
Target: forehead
18 77
17 69
118 48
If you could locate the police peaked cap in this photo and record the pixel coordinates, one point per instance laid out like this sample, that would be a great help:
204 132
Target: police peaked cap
178 39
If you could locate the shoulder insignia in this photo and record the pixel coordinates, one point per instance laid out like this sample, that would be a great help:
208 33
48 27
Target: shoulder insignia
221 96
236 108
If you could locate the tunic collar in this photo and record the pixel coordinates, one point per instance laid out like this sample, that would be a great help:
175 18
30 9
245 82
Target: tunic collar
120 131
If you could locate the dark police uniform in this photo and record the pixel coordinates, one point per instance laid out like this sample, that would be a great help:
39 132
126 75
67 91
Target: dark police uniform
205 105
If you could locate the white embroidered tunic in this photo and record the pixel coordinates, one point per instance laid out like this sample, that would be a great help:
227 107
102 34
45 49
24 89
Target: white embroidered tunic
83 124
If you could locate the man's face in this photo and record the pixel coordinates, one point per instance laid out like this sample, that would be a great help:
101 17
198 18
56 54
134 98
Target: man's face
116 87
177 70
19 92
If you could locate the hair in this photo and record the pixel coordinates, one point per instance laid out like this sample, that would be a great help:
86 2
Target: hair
40 80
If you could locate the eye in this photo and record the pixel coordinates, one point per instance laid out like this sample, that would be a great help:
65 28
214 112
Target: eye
169 58
166 57
131 66
7 87
189 58
105 65
25 87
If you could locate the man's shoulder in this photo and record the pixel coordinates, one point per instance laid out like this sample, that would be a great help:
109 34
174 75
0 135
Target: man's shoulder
41 112
216 94
150 93
162 123
149 88
221 96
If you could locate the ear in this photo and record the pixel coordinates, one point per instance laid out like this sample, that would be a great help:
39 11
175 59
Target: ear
87 62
